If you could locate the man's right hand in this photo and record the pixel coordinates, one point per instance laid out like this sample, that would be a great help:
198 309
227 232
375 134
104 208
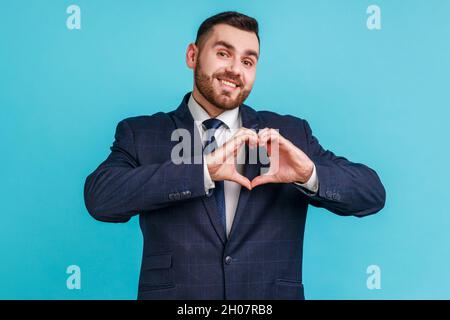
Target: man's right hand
222 161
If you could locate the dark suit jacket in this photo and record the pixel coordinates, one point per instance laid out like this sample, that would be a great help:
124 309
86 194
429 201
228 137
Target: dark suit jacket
186 254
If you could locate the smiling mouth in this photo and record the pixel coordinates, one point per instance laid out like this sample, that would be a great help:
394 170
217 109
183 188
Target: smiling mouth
229 83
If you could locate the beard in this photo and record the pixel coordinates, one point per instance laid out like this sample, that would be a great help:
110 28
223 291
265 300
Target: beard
221 100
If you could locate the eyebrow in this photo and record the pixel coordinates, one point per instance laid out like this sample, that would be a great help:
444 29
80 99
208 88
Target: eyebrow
229 46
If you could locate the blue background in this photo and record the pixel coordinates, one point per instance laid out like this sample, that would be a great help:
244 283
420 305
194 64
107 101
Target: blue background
377 97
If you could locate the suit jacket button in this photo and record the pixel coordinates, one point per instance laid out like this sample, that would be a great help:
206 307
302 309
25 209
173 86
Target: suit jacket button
188 193
170 196
228 260
177 196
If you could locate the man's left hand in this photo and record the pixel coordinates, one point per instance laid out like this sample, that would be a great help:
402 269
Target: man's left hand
290 164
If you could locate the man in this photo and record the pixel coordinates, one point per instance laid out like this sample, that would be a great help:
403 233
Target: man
213 228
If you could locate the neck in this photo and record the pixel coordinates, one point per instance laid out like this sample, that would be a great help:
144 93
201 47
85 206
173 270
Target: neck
211 109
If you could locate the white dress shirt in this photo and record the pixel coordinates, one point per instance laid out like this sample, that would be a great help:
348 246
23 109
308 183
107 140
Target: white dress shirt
232 120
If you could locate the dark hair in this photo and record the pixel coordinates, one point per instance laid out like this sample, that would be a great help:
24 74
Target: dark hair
231 18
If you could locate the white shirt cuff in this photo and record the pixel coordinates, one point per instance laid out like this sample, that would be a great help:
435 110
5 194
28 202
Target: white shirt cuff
312 184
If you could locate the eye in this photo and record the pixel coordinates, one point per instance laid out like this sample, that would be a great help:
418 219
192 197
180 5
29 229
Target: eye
222 54
247 63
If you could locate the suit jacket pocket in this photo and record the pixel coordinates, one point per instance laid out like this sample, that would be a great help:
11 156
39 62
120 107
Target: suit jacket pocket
289 290
156 272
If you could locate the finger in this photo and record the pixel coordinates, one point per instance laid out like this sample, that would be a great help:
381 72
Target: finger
268 132
259 180
263 136
247 132
243 181
268 140
243 130
240 137
231 148
262 131
250 138
271 132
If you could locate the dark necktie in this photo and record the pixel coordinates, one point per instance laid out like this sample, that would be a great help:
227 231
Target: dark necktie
211 125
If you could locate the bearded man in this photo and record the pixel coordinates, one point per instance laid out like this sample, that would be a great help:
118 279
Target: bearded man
217 225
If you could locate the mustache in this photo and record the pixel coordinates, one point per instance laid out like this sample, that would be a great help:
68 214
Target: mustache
230 77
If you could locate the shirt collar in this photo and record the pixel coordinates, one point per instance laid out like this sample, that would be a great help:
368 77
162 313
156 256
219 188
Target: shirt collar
229 117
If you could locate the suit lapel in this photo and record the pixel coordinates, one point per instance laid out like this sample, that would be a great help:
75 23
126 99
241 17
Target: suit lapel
183 120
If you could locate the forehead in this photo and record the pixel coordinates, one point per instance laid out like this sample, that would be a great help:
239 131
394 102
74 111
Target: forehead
241 40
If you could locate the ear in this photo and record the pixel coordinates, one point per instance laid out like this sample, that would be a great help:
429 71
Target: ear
191 55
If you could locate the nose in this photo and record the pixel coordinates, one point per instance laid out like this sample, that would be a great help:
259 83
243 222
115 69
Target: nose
235 68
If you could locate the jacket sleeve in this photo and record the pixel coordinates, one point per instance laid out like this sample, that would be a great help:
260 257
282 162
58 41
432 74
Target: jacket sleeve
121 188
345 188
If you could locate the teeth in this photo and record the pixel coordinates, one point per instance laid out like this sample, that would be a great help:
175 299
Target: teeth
228 83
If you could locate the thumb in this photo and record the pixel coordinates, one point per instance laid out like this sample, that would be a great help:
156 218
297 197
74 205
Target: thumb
238 178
